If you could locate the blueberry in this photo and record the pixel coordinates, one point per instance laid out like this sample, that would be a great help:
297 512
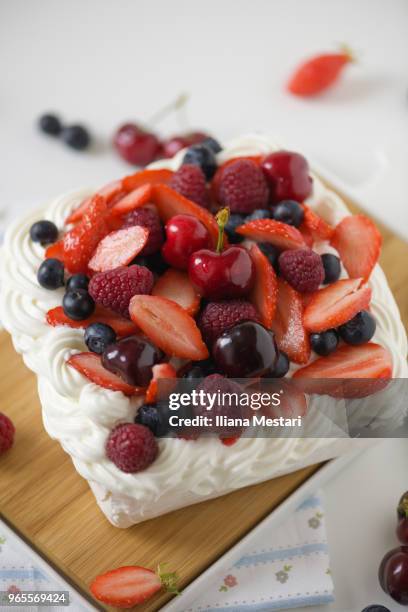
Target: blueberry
332 268
200 369
202 156
76 137
259 213
376 608
155 263
325 342
271 253
98 336
359 329
44 232
50 274
78 304
281 367
77 281
234 221
155 417
50 124
212 144
289 212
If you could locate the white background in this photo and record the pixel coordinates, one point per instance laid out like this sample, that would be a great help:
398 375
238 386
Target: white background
102 62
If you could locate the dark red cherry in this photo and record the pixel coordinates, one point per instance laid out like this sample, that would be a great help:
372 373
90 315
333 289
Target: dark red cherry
393 574
288 176
173 145
136 145
185 234
245 350
132 359
402 518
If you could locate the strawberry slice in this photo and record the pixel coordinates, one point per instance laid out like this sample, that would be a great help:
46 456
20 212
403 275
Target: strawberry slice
362 370
123 327
336 304
128 586
135 199
307 236
170 203
176 285
131 182
319 229
78 212
90 365
169 326
290 333
358 243
118 248
55 251
168 376
110 192
268 230
264 294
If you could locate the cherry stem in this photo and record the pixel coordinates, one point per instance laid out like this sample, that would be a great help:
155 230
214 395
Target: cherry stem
175 105
221 217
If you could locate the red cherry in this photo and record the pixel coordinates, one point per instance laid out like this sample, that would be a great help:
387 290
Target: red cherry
402 517
288 176
222 274
173 145
185 234
393 574
135 145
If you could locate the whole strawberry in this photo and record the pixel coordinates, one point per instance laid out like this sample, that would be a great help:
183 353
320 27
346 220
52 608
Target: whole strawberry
7 431
189 180
131 447
242 187
216 317
114 289
147 217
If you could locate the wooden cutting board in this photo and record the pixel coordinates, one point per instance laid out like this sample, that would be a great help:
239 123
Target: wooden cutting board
44 498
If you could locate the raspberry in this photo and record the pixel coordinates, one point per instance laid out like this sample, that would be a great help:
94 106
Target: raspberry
147 217
7 431
242 187
115 288
131 447
227 393
216 317
302 268
189 180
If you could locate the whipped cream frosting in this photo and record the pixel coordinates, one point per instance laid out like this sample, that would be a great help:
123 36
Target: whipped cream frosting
80 414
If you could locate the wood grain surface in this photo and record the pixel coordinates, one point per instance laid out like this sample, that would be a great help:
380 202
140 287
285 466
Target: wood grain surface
43 497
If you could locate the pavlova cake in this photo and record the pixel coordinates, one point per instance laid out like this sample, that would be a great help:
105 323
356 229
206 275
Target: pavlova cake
230 262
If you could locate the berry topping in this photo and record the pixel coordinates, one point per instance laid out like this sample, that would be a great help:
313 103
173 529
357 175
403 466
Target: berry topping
50 124
332 268
121 326
175 285
279 234
78 304
271 253
145 177
264 293
215 385
393 574
77 137
246 350
148 218
281 366
202 156
136 145
200 369
242 187
169 326
77 281
358 243
189 180
115 288
302 268
155 263
7 432
126 587
319 229
336 304
176 143
119 248
259 213
167 375
44 232
132 359
318 73
90 365
376 608
359 329
288 211
222 274
290 333
288 176
50 274
235 220
325 342
155 417
212 144
133 200
217 317
132 448
185 234
98 336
